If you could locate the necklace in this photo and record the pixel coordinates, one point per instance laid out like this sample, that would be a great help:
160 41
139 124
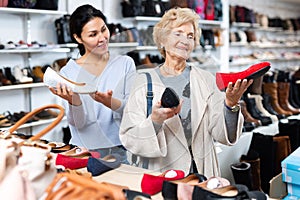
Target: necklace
170 72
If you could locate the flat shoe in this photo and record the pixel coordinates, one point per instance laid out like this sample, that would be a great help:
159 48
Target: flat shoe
228 192
98 166
254 71
135 195
170 189
152 184
71 162
51 78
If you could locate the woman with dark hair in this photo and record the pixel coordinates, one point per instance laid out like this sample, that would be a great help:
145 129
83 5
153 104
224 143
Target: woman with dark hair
91 114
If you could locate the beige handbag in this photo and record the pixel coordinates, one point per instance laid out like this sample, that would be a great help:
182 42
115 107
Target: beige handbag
31 159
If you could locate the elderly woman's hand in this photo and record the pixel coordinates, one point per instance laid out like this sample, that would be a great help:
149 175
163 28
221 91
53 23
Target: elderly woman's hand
160 114
236 91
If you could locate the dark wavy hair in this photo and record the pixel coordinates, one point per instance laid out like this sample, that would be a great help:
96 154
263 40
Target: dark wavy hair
82 15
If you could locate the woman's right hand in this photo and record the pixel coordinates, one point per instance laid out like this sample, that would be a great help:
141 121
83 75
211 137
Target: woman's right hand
160 114
66 93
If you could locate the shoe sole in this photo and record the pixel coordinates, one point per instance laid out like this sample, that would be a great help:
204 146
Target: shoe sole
259 73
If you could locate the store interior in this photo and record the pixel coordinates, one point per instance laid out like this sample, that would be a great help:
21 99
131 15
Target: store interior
239 34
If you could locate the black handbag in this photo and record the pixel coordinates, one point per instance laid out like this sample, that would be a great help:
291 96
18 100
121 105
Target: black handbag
46 4
131 8
21 3
63 30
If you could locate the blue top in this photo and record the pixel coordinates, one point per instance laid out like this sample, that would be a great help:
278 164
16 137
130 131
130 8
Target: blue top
92 124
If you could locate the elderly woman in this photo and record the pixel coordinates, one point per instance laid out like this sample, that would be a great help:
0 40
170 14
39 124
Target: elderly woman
181 137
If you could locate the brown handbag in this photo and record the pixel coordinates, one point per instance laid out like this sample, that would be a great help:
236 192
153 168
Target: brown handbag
67 186
30 157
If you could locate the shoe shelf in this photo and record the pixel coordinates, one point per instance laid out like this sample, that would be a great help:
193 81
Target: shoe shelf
36 123
264 46
254 61
22 86
123 44
30 11
37 50
210 23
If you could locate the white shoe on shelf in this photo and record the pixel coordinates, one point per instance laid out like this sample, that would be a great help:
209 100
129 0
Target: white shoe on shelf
51 78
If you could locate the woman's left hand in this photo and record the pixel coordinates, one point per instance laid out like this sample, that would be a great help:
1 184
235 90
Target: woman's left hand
106 99
236 91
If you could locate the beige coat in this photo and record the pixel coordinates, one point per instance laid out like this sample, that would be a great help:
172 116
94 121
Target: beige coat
168 148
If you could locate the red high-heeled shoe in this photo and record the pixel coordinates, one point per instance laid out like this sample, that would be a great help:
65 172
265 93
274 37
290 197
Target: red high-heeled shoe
254 71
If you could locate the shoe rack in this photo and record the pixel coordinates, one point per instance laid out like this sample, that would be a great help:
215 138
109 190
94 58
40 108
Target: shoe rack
28 96
263 39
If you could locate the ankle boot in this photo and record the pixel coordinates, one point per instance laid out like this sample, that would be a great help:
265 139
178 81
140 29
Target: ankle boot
3 79
267 105
247 115
271 89
9 75
253 159
252 108
258 102
283 97
242 174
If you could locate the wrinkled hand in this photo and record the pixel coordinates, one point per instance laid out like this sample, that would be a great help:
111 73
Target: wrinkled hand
236 91
160 114
66 93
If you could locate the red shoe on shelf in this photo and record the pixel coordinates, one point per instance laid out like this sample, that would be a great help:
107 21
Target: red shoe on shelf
254 71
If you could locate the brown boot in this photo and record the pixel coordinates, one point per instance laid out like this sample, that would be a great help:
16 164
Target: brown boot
283 97
247 115
271 89
283 149
253 159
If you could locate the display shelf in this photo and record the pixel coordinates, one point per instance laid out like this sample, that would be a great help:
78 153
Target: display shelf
21 86
37 50
22 11
123 44
31 93
36 123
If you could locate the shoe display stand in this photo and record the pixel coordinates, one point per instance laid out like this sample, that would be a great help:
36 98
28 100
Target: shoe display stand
30 95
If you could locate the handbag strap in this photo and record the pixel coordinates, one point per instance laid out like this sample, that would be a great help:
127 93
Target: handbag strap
149 96
36 111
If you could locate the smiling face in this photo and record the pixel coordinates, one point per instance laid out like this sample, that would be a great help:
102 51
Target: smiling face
180 41
95 37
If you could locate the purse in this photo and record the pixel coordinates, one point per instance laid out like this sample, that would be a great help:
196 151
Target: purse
67 186
33 164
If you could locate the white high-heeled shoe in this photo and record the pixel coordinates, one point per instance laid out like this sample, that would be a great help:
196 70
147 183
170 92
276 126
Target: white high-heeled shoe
51 78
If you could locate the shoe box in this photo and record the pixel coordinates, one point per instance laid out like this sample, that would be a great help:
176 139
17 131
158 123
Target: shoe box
291 173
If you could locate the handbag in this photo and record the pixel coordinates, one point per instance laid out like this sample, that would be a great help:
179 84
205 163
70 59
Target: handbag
21 3
46 4
63 29
67 186
33 164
